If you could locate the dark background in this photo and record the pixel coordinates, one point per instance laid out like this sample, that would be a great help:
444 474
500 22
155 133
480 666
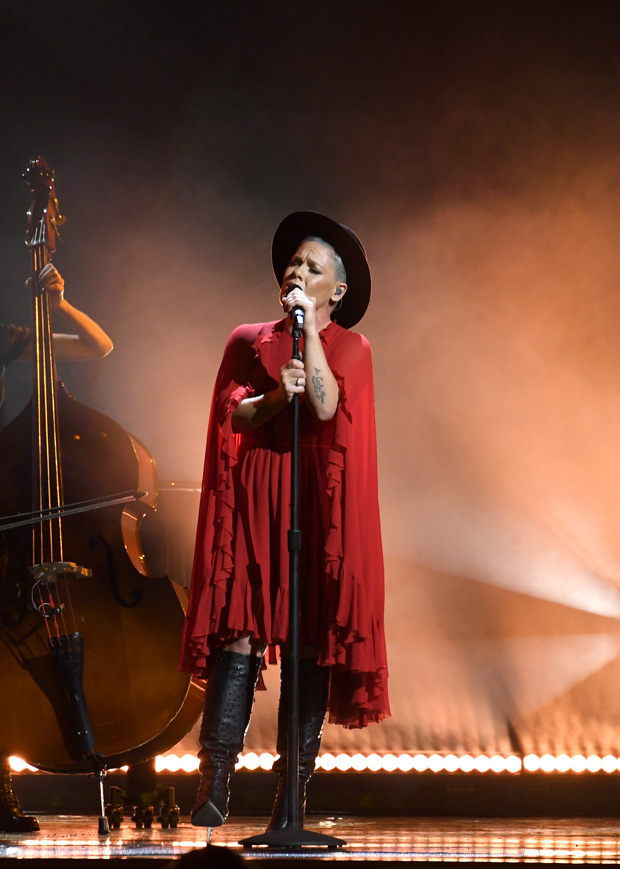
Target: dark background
474 148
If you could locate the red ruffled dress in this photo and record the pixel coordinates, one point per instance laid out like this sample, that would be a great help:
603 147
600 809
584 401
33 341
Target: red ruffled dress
240 579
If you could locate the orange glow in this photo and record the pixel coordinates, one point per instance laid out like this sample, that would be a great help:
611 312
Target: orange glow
18 765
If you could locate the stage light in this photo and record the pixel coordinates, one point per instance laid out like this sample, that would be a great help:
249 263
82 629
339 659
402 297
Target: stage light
420 763
390 762
483 764
451 763
343 762
531 762
173 763
17 764
250 760
467 763
435 763
358 762
405 762
497 763
374 762
578 763
328 762
513 764
266 760
189 763
547 763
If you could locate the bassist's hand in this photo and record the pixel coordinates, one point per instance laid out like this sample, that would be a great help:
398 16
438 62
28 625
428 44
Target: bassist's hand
52 280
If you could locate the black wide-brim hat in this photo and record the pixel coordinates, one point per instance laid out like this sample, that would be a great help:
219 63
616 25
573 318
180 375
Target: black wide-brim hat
300 225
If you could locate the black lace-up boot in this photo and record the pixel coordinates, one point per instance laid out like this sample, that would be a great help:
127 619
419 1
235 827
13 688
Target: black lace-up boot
228 705
12 819
313 695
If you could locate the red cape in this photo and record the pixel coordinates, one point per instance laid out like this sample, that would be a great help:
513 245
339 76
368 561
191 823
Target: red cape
233 589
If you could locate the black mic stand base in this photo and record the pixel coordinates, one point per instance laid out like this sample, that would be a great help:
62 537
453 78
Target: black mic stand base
293 838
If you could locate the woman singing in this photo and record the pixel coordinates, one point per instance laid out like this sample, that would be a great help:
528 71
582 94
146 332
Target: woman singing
239 595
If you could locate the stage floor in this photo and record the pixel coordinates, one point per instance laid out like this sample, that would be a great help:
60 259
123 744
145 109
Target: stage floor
367 840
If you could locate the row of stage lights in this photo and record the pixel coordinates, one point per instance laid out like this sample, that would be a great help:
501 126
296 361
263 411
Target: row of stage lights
402 763
420 763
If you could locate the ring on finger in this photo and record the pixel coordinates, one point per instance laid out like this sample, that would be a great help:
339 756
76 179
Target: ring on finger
297 382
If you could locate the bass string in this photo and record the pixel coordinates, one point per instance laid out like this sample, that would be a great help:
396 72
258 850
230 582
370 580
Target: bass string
54 595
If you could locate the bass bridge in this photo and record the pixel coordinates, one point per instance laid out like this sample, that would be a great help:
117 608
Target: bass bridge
47 573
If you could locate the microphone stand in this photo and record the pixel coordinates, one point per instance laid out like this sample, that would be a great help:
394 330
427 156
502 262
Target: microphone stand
293 837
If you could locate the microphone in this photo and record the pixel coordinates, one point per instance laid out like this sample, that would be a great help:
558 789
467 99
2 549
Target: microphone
296 313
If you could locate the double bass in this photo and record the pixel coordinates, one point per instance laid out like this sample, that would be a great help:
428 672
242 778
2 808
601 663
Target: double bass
89 640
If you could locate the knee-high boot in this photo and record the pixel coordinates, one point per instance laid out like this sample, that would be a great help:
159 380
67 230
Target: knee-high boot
228 706
313 696
12 819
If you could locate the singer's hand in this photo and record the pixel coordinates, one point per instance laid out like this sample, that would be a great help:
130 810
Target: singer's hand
296 298
292 379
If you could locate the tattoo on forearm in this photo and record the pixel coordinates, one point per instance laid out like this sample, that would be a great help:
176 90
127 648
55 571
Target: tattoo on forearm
317 383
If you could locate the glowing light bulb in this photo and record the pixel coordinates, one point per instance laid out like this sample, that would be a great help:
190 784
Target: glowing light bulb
547 763
497 763
578 763
483 763
420 763
328 762
358 762
390 763
265 760
405 762
189 763
513 763
374 763
451 763
467 763
251 760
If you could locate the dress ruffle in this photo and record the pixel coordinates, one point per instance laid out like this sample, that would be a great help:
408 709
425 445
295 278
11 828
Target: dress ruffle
356 646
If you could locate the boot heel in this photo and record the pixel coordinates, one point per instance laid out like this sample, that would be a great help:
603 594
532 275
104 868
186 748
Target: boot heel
207 815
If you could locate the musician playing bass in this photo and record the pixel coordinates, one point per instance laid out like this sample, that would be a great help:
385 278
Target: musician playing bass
86 341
